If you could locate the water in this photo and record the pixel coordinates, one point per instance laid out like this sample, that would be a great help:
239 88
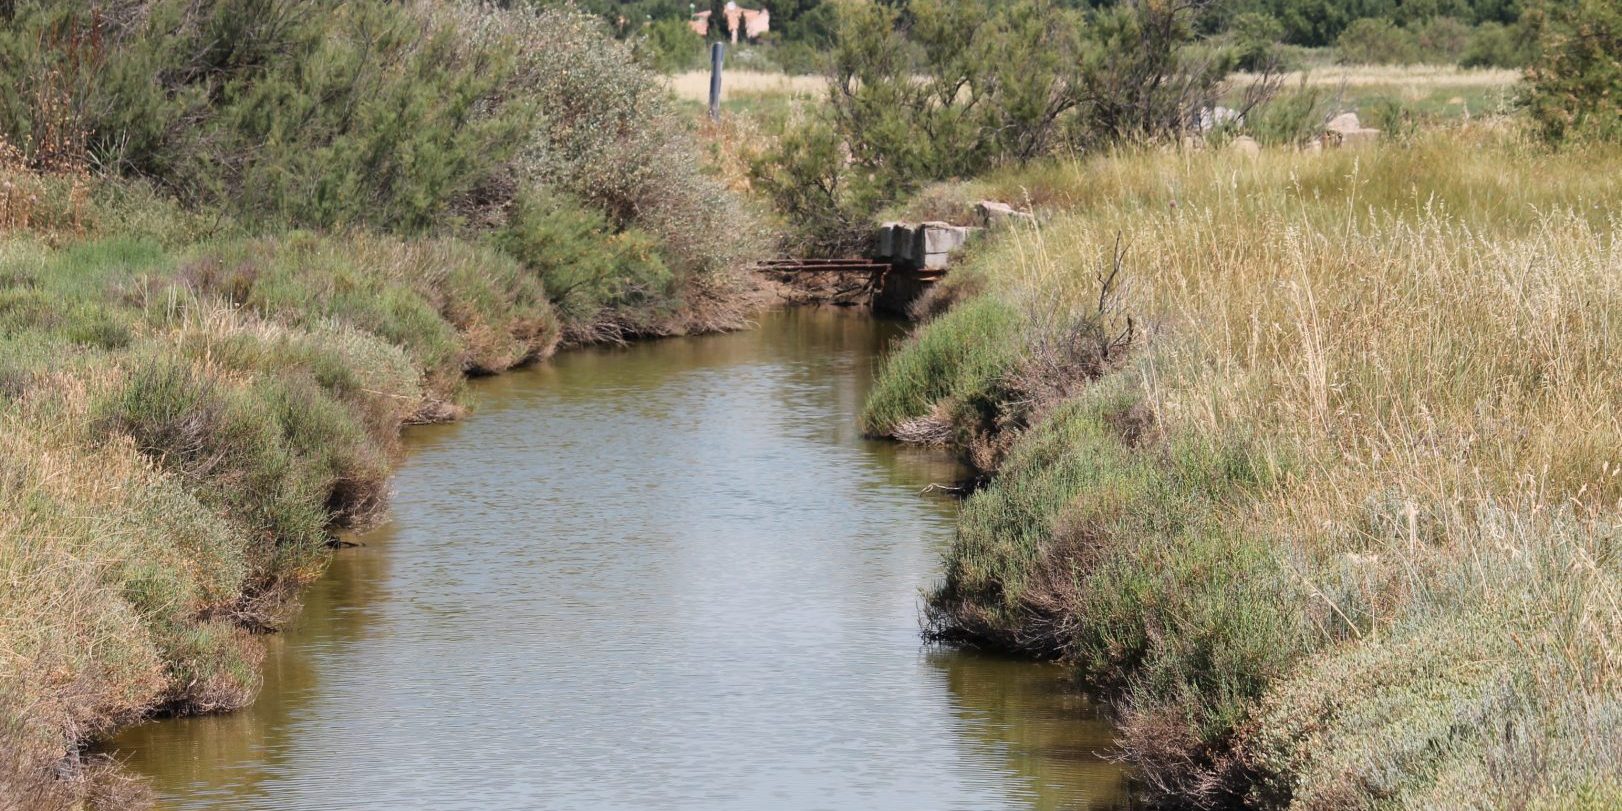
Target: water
667 576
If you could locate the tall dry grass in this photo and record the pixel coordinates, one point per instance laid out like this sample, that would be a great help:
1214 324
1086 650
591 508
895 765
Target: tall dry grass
1366 554
694 85
180 432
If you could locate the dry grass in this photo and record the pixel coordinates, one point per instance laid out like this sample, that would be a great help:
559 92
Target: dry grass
695 85
1385 390
1396 76
741 84
179 432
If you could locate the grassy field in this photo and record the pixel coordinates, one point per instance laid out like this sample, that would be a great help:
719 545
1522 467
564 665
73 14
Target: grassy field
1444 91
1310 460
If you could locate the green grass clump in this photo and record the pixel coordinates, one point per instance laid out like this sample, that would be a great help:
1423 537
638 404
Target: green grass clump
240 451
961 356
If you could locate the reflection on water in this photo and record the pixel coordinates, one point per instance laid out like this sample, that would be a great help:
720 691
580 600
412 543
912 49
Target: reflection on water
668 576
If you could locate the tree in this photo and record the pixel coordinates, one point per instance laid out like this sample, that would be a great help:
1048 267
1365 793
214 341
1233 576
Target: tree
1574 86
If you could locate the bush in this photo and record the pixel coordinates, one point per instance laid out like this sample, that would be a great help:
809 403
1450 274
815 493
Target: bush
1442 40
1147 75
406 118
1376 41
670 46
1256 41
229 448
1494 45
808 178
936 90
800 58
1574 86
601 282
333 114
960 357
1288 119
609 138
1394 119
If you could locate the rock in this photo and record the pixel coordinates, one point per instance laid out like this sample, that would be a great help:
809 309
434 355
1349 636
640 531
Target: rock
1213 117
1246 145
989 212
1345 122
1364 135
1347 130
992 214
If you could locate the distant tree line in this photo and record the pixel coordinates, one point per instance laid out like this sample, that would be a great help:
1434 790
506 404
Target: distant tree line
1379 30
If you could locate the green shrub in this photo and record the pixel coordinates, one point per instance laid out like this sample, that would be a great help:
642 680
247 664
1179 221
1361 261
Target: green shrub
1394 119
1377 41
960 357
1574 86
332 114
1288 119
593 276
230 448
609 138
1442 40
340 460
1494 45
1256 41
670 46
800 58
936 89
811 184
405 118
1115 556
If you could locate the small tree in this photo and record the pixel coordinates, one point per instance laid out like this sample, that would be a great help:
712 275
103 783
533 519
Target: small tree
1376 41
1146 75
1574 85
930 90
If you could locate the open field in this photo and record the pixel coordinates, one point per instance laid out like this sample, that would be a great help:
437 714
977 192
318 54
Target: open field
1322 486
742 84
1443 90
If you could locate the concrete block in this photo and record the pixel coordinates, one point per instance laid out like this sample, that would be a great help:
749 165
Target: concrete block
935 261
940 237
886 240
915 254
901 242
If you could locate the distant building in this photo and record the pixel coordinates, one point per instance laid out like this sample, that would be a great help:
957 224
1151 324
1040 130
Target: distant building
752 23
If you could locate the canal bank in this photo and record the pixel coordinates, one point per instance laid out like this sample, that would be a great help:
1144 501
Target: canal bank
668 575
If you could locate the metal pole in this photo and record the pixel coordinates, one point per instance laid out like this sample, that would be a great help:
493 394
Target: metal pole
717 51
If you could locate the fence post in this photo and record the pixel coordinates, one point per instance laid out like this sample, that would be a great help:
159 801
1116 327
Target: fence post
717 51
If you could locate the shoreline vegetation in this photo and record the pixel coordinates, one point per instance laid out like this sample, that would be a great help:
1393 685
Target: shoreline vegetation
242 248
1308 460
1306 456
1296 408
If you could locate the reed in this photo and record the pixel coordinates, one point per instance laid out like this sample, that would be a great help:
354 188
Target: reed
1340 533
